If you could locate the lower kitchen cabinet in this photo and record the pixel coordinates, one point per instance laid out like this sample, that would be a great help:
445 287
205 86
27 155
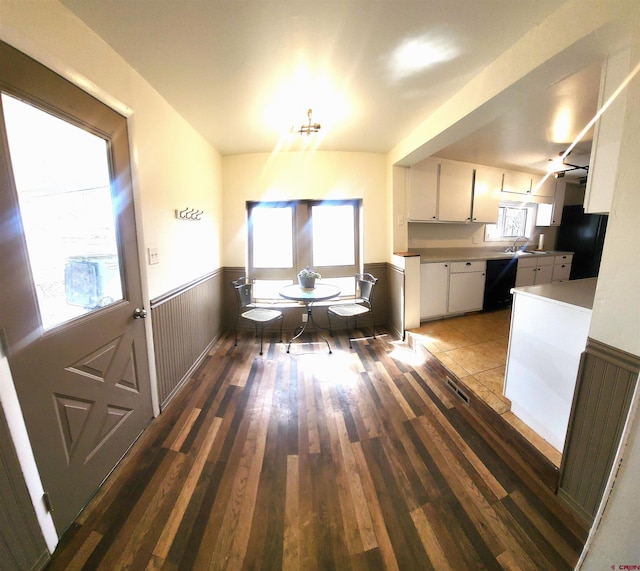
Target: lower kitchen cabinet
466 286
562 267
534 270
434 288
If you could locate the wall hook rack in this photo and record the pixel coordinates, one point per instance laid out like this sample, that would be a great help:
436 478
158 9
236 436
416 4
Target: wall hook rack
189 214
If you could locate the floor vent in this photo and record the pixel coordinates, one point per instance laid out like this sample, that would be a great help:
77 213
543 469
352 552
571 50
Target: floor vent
457 390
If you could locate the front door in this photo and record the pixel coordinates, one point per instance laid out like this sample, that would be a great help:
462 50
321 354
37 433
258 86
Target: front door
70 285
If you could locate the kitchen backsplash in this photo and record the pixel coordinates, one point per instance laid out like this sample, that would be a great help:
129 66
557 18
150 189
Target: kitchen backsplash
427 235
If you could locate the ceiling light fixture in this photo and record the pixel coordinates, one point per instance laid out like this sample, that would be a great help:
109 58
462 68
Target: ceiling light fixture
560 173
310 127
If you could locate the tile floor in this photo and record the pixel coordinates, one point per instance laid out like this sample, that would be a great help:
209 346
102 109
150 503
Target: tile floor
474 348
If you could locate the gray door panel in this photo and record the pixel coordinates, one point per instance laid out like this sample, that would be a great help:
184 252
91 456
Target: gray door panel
83 385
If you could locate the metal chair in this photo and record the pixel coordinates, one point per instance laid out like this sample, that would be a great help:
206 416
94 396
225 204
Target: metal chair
362 305
247 309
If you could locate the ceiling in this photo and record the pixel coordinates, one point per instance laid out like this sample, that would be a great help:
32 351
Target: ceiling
244 73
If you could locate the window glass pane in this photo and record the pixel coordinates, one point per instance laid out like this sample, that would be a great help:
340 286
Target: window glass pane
272 237
515 222
62 178
269 289
333 235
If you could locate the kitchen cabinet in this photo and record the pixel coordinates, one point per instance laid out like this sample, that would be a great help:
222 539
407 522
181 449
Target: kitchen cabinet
603 163
534 270
440 190
547 189
561 267
422 193
487 185
434 289
517 182
455 185
466 286
550 214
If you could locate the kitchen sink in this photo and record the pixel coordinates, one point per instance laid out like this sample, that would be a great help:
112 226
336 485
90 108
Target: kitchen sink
525 252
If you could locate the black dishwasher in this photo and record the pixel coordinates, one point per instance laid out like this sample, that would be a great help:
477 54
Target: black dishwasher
501 277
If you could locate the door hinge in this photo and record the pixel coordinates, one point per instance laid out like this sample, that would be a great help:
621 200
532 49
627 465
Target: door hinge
47 502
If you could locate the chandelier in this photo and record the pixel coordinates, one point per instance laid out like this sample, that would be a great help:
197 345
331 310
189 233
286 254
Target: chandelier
310 127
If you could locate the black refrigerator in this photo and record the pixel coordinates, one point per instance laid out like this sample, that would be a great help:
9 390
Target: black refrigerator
583 234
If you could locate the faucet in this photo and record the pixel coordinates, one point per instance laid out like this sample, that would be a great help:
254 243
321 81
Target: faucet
513 248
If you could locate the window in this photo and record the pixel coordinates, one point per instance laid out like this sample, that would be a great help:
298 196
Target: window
514 220
285 237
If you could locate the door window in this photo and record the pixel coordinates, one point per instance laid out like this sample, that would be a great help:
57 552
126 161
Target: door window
61 174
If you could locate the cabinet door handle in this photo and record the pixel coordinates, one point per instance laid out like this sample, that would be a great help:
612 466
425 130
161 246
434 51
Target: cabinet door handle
468 263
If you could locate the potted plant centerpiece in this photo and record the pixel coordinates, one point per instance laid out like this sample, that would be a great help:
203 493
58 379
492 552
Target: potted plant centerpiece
307 278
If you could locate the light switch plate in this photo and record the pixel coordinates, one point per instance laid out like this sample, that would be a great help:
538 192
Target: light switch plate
154 257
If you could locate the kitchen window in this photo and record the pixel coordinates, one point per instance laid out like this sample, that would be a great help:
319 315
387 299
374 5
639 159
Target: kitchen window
514 220
284 237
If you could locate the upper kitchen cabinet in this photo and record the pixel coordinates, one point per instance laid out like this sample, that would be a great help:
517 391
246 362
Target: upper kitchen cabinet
455 187
517 182
603 164
547 189
550 214
486 195
439 190
422 195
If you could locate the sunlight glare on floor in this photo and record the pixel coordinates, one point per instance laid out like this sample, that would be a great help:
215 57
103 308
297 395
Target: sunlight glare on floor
407 356
339 368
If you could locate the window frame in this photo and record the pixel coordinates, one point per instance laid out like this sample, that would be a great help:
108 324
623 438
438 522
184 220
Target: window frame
302 240
492 236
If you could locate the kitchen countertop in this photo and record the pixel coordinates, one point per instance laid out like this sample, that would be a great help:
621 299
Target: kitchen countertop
428 255
576 293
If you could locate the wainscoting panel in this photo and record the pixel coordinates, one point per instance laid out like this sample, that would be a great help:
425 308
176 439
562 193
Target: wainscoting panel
606 381
395 313
186 322
381 300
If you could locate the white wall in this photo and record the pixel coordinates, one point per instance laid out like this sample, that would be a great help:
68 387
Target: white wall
173 166
305 174
616 321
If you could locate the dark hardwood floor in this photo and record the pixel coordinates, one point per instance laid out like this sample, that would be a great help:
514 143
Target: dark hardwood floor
362 459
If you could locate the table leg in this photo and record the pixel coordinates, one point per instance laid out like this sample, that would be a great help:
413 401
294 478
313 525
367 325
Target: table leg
304 326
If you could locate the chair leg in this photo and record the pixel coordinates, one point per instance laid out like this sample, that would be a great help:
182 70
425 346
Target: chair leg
235 343
281 322
373 325
261 337
329 317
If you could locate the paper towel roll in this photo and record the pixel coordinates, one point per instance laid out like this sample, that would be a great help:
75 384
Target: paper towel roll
541 242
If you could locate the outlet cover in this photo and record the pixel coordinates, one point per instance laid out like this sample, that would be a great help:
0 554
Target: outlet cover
154 257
